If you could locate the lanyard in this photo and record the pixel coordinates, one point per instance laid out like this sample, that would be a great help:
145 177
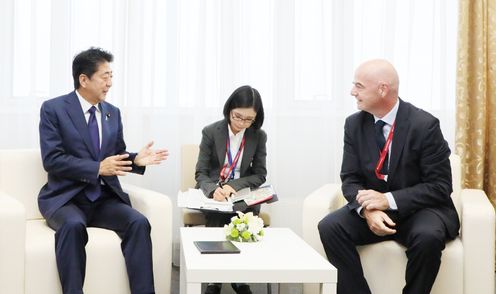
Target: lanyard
225 172
383 154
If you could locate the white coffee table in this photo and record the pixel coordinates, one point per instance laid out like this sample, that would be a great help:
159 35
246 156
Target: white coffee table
281 257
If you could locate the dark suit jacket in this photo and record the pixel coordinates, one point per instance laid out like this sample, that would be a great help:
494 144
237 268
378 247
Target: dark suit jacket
67 152
213 153
419 169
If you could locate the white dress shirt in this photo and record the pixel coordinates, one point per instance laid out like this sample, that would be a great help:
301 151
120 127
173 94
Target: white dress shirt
234 143
389 119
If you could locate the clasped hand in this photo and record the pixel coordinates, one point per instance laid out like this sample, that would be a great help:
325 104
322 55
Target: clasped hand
379 222
373 204
222 194
119 165
370 199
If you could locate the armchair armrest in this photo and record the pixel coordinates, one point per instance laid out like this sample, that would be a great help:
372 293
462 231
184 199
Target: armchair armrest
477 235
157 208
315 207
12 244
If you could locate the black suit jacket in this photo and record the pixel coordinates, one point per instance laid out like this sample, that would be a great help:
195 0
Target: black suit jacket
419 169
212 154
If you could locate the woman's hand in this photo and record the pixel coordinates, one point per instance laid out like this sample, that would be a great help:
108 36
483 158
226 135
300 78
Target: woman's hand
228 190
222 194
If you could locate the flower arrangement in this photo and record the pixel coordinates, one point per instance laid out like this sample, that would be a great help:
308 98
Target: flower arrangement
245 228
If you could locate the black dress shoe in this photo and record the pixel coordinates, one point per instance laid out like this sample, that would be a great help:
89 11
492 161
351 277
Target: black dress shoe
241 288
212 289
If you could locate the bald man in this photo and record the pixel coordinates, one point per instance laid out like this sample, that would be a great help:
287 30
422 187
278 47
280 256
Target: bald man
396 177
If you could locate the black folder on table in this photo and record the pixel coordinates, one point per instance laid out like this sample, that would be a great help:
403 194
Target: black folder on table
216 247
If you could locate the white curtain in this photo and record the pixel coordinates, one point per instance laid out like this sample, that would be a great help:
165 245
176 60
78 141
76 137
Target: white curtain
177 61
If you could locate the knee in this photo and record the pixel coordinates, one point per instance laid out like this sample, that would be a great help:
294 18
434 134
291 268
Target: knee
328 226
428 242
72 228
141 223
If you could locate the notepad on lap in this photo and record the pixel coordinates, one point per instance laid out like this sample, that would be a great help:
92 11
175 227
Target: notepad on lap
216 247
255 196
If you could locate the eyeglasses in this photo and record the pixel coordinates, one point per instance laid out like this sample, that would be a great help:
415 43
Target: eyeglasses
238 117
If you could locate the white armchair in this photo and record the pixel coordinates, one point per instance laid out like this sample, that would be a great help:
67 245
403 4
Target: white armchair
467 264
27 246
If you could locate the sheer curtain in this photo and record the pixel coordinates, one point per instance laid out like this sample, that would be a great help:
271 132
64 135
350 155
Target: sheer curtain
177 61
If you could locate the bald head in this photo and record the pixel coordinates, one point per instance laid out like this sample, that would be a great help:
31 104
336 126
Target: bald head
381 71
376 86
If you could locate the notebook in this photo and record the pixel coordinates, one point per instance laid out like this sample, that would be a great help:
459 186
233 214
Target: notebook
255 196
216 247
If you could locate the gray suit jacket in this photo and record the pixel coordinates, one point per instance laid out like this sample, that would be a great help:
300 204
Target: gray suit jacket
213 153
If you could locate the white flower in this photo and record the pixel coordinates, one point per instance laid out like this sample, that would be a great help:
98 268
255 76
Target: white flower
244 228
228 229
241 227
255 226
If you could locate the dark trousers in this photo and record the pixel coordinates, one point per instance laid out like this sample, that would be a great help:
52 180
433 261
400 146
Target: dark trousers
423 234
219 219
109 212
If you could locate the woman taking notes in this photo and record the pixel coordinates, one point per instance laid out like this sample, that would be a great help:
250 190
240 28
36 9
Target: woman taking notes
232 157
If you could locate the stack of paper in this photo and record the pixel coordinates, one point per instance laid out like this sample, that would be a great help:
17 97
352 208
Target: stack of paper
194 198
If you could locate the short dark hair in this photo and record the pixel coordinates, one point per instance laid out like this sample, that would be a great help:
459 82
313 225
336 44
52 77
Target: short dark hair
245 97
87 62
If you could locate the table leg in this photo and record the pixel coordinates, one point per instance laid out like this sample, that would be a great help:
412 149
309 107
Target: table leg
193 288
328 288
182 274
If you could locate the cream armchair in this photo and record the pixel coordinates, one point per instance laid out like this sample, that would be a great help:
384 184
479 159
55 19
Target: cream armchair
27 246
467 264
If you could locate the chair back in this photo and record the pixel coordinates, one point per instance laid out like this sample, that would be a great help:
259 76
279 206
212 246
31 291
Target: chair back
189 157
22 176
456 175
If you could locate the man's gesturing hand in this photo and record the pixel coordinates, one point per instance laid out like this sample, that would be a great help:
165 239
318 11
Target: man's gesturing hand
115 165
148 156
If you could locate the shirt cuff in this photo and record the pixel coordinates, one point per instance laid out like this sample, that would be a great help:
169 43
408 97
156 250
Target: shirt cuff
391 202
359 211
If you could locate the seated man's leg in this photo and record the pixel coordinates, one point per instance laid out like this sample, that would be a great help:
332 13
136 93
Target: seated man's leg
340 232
134 230
424 234
71 237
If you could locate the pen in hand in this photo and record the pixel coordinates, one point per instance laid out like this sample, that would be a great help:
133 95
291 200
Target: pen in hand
219 193
225 190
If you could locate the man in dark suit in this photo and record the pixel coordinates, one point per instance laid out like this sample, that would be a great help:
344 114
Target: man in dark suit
396 177
83 151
